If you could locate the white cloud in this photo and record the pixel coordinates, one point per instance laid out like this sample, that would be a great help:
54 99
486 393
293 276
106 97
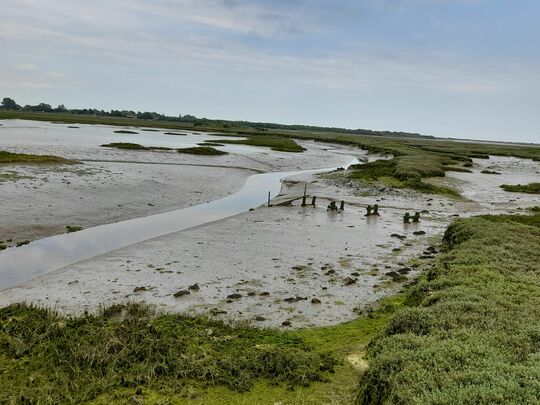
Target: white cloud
27 67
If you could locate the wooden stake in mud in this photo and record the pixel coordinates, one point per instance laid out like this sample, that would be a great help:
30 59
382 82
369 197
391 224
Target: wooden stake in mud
269 198
368 209
376 209
304 196
342 205
406 218
313 199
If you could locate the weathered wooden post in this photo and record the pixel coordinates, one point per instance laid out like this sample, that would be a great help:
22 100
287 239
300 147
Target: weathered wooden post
304 196
342 205
406 218
368 213
376 209
269 198
313 199
416 217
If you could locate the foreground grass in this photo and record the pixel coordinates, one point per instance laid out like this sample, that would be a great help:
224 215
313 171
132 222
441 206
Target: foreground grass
339 341
10 158
127 350
472 332
49 358
532 188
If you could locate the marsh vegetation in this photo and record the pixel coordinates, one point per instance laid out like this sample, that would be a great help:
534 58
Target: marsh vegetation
532 188
202 150
23 158
469 332
49 358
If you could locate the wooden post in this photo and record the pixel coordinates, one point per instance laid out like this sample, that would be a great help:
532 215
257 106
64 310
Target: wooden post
269 198
368 213
342 205
406 218
376 209
313 199
416 217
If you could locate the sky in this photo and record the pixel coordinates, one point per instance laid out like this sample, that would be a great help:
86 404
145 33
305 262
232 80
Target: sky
449 68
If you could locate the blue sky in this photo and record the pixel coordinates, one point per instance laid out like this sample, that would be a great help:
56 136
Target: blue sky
456 68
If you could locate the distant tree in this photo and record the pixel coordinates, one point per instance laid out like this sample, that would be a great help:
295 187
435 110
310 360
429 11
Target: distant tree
44 107
9 104
60 108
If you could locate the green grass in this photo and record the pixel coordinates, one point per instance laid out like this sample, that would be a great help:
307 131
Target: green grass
46 358
16 158
133 146
202 150
471 331
125 145
275 143
73 228
402 172
532 188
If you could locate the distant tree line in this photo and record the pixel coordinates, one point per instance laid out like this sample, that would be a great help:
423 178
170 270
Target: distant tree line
10 104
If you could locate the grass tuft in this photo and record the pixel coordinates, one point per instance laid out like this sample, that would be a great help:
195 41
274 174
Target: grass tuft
276 143
202 150
10 158
125 145
532 188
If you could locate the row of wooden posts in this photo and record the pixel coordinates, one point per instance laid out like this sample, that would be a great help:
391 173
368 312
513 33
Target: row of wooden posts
371 210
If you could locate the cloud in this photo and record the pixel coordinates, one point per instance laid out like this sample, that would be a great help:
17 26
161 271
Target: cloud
26 67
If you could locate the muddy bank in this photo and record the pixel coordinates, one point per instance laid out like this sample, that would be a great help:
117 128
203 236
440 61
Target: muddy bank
99 193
